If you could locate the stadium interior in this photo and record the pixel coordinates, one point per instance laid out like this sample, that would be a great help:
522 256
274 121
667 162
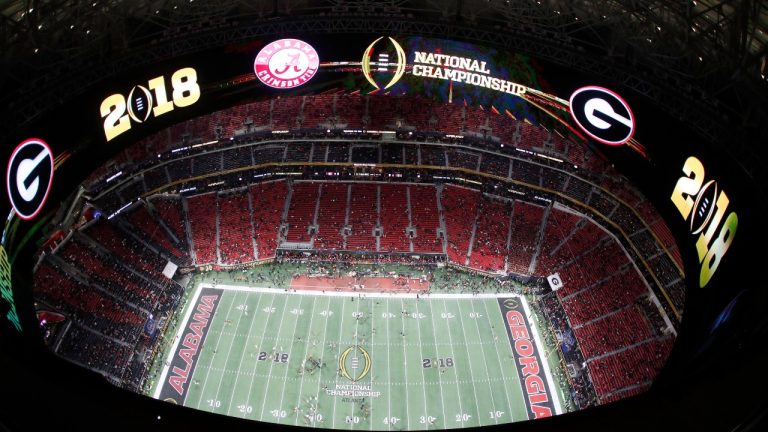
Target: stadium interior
337 254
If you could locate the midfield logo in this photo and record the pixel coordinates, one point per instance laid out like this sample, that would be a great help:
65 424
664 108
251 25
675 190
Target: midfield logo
359 363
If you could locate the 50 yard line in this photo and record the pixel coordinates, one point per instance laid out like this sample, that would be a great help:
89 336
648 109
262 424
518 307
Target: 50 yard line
338 353
357 326
389 376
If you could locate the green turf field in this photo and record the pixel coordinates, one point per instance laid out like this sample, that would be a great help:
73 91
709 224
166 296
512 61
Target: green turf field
406 363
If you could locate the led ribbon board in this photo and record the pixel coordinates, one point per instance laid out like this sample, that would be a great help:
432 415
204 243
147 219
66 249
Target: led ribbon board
119 111
703 205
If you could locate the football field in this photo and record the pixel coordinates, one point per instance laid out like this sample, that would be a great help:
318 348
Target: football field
358 361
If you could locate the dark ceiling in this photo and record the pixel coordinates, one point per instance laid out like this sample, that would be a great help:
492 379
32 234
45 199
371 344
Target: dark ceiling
703 62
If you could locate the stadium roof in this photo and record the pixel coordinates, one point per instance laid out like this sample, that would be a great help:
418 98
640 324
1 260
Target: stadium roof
703 61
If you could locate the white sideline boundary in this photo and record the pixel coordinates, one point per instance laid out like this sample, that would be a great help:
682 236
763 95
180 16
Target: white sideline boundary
534 330
333 293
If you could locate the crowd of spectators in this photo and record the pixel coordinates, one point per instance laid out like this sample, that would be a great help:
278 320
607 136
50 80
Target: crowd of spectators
235 229
108 287
424 219
490 246
268 202
301 211
527 220
395 219
460 208
385 223
332 216
148 227
202 211
607 317
537 174
363 217
109 273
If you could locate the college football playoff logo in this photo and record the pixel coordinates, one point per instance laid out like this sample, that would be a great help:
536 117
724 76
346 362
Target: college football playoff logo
383 65
286 63
354 363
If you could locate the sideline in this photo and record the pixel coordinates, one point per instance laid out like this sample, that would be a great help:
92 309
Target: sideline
360 294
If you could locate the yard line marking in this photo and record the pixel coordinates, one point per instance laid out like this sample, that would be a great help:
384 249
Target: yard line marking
271 362
357 327
336 359
453 354
389 377
372 377
229 351
501 362
287 368
485 363
306 352
439 375
469 359
215 350
264 332
242 355
319 377
405 373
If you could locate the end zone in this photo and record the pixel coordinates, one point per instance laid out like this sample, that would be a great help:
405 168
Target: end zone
538 388
186 346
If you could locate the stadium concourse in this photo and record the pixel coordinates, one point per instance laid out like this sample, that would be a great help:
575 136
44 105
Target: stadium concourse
473 202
